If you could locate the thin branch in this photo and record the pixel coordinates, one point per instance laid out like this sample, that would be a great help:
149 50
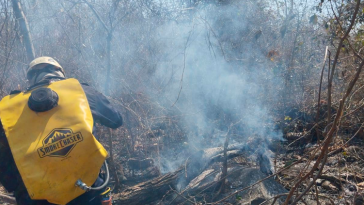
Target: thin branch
184 66
329 87
97 16
181 195
213 32
225 162
319 93
342 41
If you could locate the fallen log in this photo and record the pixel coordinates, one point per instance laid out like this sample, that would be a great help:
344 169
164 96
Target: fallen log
149 191
204 186
194 176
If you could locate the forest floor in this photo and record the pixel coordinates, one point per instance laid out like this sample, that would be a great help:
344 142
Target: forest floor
342 179
341 182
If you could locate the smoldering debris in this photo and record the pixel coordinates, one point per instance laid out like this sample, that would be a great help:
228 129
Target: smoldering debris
200 176
197 81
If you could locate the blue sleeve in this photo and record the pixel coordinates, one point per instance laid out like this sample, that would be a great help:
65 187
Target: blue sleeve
9 174
102 110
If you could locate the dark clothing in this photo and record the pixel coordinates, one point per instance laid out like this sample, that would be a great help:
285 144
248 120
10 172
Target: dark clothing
91 197
102 112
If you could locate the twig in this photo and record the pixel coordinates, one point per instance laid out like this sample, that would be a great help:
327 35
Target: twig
225 162
97 16
322 76
181 195
319 93
164 196
329 91
341 27
184 66
218 40
317 195
358 108
342 146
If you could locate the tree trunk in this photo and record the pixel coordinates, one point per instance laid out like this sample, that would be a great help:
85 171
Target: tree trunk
24 29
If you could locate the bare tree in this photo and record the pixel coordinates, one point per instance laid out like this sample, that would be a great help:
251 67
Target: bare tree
24 29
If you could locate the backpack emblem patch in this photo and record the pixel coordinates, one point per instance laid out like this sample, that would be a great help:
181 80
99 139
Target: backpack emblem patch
59 143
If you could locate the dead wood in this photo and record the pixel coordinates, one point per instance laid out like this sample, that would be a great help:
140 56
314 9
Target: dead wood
212 152
220 157
353 177
338 182
155 189
257 182
196 184
334 179
148 191
7 199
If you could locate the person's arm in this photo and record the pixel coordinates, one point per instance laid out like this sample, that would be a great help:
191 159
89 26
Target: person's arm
9 174
102 110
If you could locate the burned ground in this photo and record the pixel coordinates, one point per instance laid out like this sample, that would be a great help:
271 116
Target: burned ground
224 101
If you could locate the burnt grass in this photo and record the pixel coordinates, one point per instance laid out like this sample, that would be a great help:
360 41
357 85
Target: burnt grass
341 182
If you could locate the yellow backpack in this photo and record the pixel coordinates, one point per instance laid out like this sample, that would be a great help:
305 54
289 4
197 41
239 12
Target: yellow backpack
55 148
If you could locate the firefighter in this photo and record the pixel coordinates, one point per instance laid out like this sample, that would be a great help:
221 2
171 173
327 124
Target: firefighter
48 154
